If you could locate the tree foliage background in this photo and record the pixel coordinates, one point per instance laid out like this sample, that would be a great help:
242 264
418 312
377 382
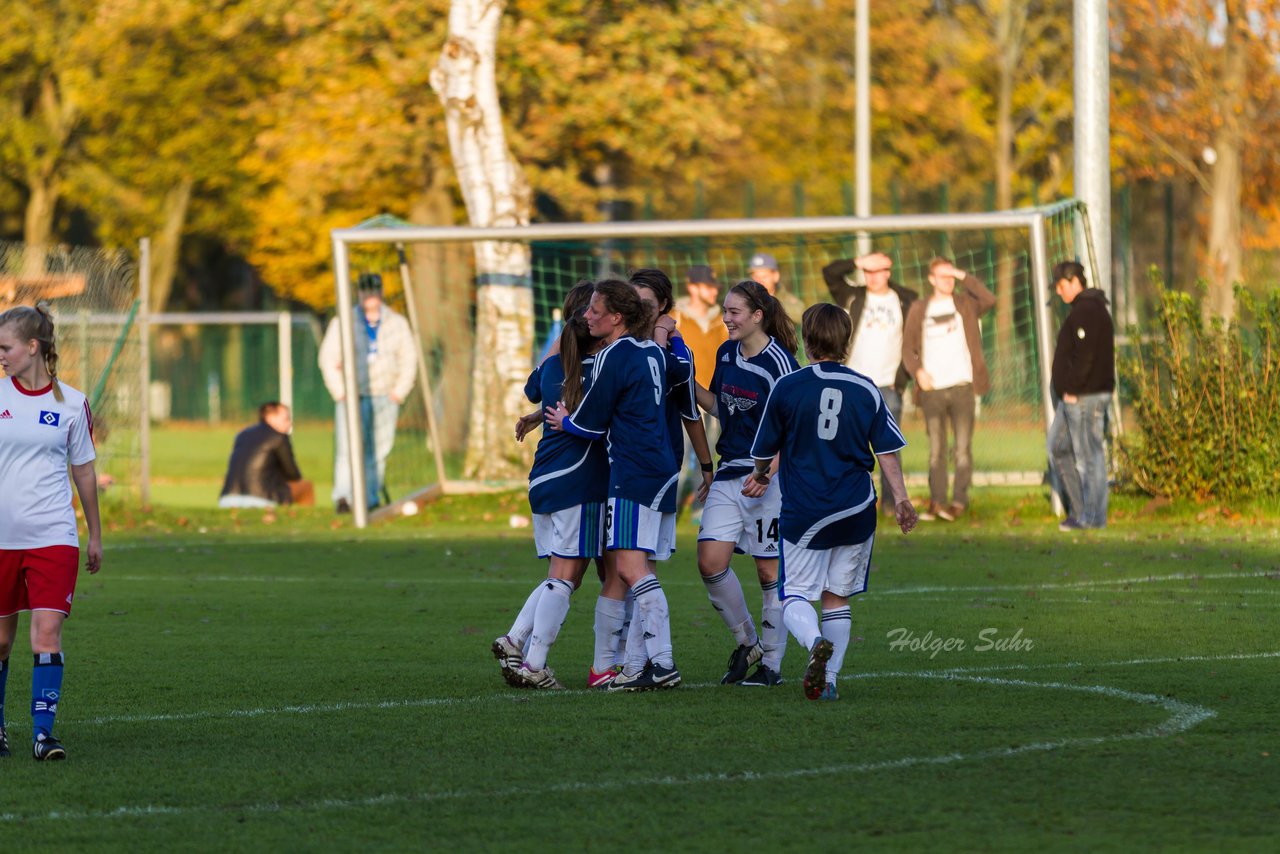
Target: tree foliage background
250 128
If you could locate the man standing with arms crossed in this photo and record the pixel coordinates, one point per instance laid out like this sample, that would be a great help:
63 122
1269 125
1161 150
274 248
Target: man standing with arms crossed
1084 377
877 310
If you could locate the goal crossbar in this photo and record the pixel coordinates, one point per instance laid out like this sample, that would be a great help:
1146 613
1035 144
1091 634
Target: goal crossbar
1033 220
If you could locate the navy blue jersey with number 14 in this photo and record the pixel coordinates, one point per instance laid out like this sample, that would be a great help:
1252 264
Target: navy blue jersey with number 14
741 385
624 406
828 421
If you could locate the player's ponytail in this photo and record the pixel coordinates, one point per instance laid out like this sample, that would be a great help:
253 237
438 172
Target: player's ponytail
49 347
775 322
36 324
575 342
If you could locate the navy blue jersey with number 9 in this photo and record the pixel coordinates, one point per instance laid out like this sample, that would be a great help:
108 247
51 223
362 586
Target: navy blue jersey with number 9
624 405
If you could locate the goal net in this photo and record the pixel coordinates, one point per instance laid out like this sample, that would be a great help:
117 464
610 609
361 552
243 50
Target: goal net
482 330
93 296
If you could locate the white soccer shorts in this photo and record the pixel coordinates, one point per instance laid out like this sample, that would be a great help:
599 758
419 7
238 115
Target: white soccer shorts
633 526
751 524
574 532
807 572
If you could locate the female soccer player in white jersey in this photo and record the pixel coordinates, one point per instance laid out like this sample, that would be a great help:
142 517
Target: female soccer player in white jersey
624 406
44 426
567 488
740 515
829 425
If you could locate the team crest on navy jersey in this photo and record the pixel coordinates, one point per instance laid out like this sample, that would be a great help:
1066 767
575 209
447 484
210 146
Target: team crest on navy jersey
49 419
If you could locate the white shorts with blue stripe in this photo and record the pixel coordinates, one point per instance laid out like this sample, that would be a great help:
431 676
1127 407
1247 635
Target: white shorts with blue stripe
751 524
574 532
633 526
807 572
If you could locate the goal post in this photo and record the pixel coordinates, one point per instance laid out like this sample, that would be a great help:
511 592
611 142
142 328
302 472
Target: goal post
1012 251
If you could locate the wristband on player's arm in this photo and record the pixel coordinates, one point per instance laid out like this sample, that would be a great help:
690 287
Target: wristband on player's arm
707 466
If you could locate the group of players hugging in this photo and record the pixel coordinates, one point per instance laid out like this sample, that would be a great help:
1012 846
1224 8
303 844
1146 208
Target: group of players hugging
793 487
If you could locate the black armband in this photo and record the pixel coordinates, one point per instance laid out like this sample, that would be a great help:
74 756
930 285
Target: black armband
707 467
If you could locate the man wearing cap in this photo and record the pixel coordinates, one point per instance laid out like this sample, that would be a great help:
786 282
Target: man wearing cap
877 309
386 367
697 316
763 268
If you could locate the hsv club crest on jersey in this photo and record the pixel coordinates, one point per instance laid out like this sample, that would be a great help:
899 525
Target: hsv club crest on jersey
741 386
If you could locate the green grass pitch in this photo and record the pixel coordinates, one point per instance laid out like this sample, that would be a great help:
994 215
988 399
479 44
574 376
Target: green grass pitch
241 682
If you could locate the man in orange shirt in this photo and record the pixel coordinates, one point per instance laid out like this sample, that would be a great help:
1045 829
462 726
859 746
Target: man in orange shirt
698 321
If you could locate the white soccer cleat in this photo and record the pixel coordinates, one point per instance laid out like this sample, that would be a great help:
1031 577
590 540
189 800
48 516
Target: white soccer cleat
510 659
543 679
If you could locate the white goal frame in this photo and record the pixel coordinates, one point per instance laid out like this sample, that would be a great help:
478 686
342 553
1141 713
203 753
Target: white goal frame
1033 220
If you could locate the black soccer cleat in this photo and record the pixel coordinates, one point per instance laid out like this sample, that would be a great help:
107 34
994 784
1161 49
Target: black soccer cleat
740 661
4 743
764 677
815 674
46 748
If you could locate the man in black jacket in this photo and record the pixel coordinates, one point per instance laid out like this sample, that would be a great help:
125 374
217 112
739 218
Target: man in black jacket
262 471
1084 377
877 310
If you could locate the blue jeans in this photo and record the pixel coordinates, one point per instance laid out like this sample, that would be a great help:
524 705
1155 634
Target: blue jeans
1078 454
378 416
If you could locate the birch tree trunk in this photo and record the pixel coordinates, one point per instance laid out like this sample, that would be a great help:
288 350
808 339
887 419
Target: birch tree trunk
496 194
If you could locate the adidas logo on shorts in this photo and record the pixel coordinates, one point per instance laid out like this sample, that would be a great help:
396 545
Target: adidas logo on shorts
5 415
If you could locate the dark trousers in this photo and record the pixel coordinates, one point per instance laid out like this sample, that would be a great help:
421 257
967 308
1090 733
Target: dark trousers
893 402
953 405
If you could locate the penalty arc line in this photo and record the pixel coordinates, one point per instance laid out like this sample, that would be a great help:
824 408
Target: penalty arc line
1183 716
525 696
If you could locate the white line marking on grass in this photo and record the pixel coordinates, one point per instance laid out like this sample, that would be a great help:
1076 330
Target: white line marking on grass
1071 585
1182 717
1070 665
678 579
1004 600
362 580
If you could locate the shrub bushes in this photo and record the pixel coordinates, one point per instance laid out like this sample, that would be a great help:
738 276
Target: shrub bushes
1206 402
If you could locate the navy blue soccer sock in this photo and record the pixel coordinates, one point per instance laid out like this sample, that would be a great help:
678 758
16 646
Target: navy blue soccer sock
4 679
46 686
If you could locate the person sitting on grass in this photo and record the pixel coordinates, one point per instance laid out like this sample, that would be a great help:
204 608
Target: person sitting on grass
262 471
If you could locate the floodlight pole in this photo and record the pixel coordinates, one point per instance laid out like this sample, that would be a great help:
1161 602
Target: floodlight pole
351 388
284 330
1092 85
862 117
